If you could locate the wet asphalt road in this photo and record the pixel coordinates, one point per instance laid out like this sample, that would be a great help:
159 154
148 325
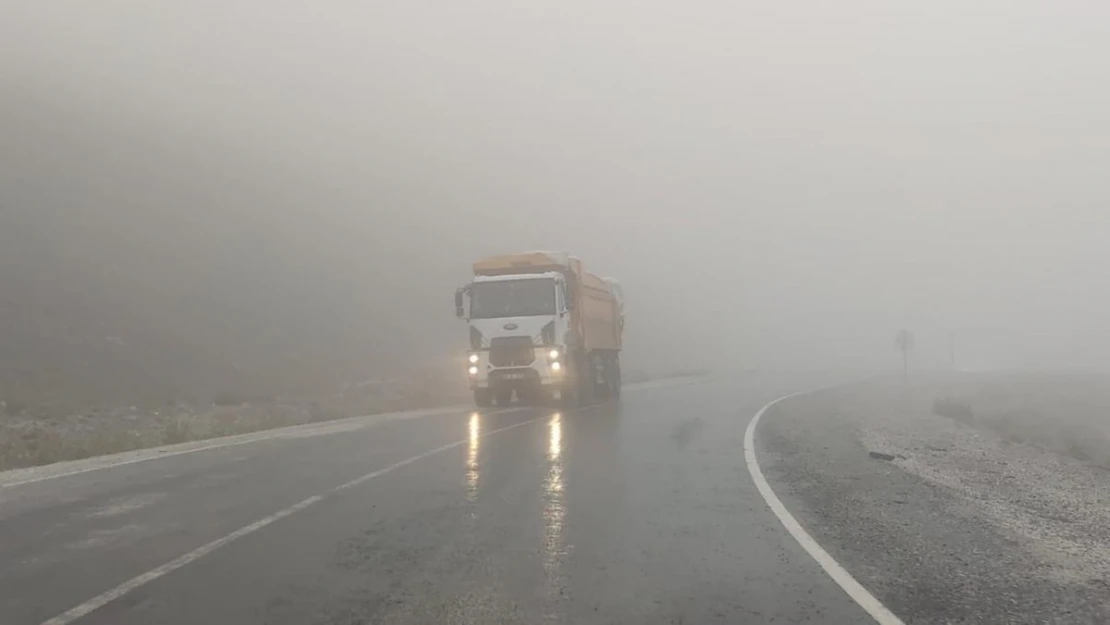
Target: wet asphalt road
640 511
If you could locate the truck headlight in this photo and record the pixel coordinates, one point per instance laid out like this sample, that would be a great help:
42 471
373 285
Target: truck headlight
556 366
474 359
553 354
473 370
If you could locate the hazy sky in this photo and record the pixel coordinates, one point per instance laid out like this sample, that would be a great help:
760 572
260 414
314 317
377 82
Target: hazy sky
774 183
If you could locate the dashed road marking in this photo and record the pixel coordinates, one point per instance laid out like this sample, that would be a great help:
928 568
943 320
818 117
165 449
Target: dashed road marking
134 583
103 599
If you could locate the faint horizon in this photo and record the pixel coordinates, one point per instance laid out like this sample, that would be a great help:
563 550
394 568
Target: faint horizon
291 193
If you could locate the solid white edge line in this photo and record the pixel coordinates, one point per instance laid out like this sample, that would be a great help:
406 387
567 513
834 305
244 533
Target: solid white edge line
857 592
103 599
149 454
158 453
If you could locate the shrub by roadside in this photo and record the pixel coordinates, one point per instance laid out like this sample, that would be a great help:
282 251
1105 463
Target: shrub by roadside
1066 414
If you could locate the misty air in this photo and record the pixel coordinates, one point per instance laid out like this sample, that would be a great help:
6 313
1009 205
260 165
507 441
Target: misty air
493 312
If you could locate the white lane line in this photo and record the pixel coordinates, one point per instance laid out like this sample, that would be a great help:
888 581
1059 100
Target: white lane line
153 574
11 479
857 592
101 600
157 453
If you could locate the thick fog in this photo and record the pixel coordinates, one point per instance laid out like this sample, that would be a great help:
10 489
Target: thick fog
290 192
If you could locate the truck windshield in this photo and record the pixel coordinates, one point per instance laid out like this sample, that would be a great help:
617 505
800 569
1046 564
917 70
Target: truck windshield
512 298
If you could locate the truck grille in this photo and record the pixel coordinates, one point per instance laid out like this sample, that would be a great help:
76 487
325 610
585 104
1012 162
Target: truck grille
511 351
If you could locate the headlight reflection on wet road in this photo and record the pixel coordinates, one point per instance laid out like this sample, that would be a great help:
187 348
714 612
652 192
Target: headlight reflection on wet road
554 509
474 442
555 444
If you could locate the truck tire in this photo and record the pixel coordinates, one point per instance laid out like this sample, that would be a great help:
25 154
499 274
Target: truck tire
604 387
568 398
574 395
532 397
617 380
483 398
609 386
504 398
587 383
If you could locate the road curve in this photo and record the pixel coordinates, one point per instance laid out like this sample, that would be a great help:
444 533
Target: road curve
641 511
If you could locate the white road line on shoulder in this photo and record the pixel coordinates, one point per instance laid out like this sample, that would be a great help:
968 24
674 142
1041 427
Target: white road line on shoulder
857 592
12 478
124 463
101 463
103 599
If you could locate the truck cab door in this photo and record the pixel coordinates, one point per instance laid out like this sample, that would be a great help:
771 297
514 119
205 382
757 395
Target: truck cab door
460 309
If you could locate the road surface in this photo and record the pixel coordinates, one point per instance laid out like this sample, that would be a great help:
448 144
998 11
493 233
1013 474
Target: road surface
641 511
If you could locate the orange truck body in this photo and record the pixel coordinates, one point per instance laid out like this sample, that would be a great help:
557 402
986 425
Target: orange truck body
597 315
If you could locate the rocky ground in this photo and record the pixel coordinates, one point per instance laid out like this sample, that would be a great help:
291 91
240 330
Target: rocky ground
1035 470
996 510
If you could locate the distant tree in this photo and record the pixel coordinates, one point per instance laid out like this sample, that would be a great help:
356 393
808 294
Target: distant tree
904 342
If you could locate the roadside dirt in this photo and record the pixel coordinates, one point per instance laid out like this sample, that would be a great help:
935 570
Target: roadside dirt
954 521
30 439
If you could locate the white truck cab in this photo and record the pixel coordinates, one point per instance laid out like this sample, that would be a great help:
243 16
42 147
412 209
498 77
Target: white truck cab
541 327
520 325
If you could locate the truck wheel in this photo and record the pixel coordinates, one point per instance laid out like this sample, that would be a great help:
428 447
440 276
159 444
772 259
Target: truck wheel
568 398
532 397
587 382
504 398
617 381
607 388
571 395
600 387
483 398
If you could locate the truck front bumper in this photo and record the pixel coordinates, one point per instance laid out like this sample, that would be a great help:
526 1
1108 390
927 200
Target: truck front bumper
541 374
517 379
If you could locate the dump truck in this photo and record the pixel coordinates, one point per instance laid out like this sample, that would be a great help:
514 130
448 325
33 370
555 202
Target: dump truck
541 329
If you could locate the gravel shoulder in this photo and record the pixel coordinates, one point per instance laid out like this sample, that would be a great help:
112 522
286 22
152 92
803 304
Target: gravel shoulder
963 525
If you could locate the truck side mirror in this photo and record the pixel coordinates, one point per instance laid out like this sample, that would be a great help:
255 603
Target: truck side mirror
459 310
